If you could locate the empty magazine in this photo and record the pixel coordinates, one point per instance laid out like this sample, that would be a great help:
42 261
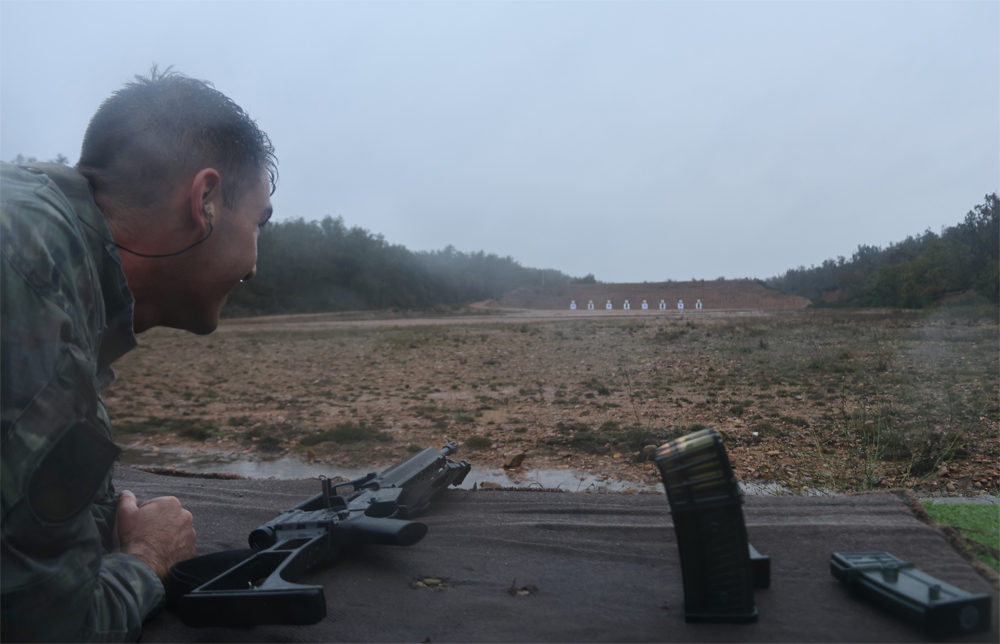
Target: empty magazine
940 609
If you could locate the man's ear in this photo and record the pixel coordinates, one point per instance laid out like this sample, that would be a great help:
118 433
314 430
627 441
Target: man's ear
206 199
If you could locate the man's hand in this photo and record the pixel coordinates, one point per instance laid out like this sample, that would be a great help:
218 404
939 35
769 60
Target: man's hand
158 533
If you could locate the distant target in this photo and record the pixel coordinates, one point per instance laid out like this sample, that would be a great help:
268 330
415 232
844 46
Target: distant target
645 305
608 305
627 305
590 305
680 304
697 304
663 304
572 305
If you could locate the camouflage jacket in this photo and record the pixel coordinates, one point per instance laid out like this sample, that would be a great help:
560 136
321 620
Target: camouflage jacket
65 316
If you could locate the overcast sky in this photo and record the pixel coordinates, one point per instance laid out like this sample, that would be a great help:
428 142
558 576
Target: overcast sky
633 140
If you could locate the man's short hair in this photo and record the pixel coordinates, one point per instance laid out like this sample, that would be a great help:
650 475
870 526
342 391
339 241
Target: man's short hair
162 128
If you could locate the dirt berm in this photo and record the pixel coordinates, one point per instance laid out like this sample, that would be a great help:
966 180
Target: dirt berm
718 295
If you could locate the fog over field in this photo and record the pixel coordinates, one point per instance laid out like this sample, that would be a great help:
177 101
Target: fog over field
597 152
632 140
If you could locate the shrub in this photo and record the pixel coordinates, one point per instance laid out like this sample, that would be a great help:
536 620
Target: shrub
767 429
589 442
478 442
349 432
194 432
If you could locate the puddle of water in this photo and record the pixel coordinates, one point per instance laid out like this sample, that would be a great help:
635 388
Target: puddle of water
256 466
251 466
293 467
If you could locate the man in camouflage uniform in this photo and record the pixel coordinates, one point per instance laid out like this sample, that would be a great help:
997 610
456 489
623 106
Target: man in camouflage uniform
177 177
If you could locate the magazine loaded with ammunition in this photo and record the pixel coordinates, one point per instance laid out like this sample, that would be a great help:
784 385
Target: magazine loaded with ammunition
720 568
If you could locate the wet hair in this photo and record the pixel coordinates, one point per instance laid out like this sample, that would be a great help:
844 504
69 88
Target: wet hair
162 128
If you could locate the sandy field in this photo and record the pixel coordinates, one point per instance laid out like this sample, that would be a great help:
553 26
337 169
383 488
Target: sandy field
811 400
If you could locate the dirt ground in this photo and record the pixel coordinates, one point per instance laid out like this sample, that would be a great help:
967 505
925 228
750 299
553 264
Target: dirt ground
813 399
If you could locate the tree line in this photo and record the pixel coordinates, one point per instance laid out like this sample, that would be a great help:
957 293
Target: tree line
313 266
912 273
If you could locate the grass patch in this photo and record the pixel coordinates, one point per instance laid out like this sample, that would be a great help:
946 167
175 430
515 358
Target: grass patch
346 433
628 440
589 442
198 430
981 523
665 336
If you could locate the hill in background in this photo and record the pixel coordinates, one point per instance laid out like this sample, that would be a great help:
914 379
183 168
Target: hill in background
319 266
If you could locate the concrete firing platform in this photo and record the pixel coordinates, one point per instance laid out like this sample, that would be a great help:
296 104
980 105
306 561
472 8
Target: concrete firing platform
605 567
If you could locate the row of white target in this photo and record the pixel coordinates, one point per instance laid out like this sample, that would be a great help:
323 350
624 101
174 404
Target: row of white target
627 306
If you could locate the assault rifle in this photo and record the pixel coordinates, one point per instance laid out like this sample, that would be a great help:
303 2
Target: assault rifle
260 589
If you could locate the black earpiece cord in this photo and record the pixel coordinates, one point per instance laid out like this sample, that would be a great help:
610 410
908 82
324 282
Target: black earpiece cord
211 229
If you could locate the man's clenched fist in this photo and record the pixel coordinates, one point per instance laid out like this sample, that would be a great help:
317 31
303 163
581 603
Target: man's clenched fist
158 533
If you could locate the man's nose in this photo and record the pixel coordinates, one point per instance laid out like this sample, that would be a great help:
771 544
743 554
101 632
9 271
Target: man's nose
250 275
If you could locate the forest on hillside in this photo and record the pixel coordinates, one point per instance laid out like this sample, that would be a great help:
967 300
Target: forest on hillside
913 273
313 266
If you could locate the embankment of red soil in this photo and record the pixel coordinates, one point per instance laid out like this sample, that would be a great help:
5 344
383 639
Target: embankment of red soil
718 295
